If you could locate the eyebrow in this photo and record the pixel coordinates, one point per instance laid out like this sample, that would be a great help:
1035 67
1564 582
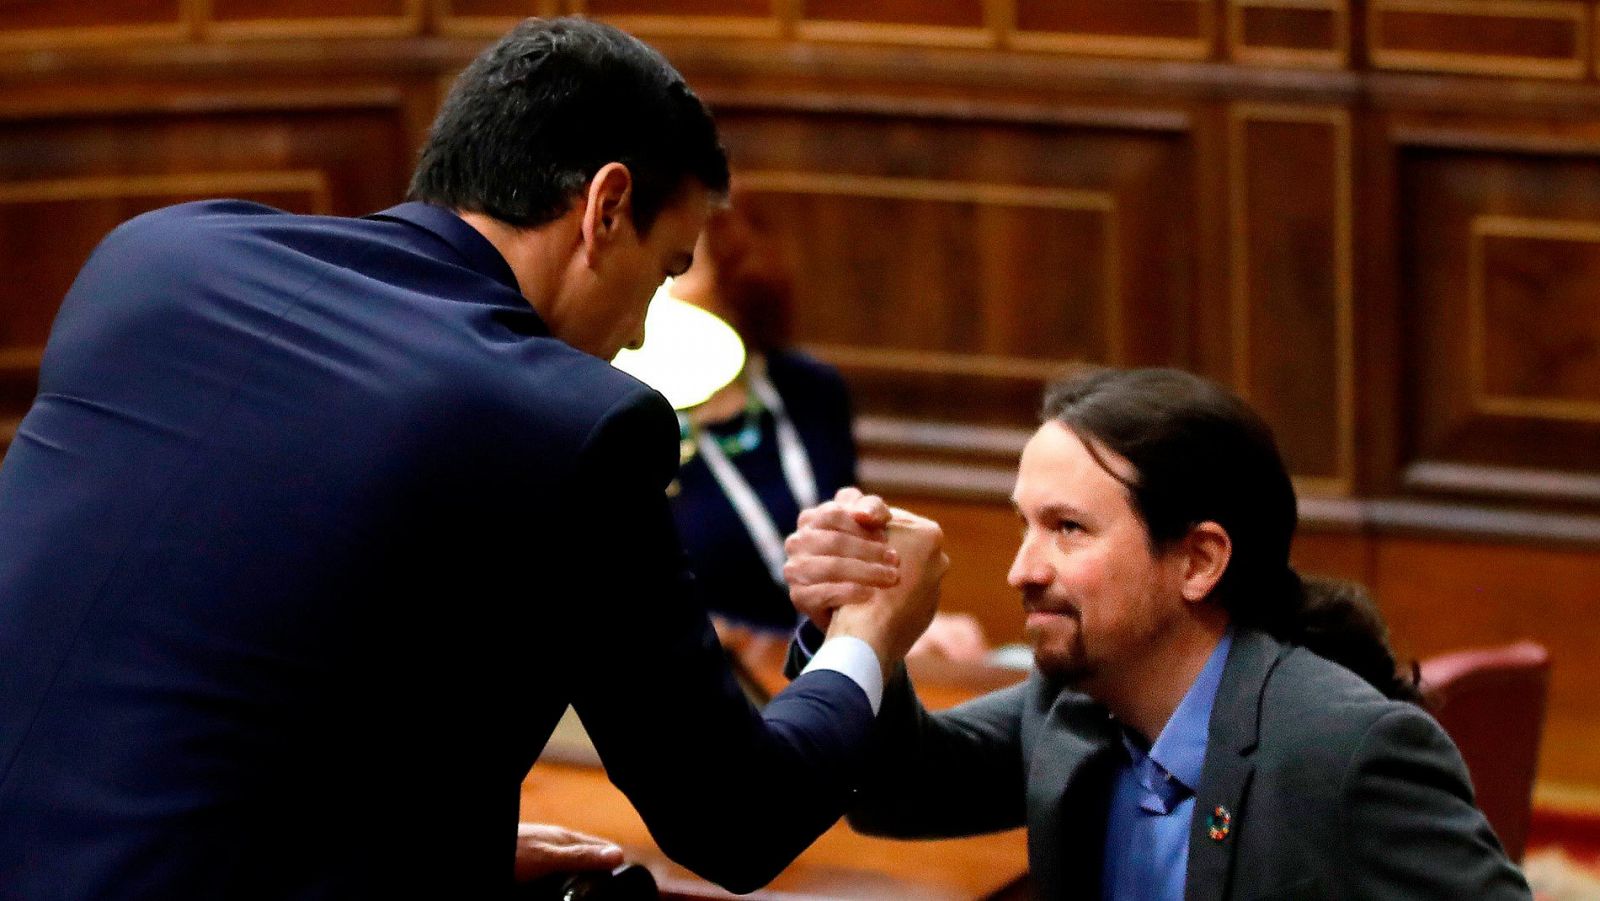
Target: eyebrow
1052 511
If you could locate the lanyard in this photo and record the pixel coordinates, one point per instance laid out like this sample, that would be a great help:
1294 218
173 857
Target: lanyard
797 473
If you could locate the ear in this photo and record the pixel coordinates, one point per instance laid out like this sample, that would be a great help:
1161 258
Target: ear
608 203
1206 551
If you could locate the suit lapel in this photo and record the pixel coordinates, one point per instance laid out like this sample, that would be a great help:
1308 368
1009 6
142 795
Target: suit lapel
1068 793
1220 804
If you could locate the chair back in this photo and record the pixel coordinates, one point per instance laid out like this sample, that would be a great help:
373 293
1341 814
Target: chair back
1491 701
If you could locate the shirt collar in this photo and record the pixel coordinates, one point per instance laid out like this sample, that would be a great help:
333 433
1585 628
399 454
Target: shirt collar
1180 749
474 249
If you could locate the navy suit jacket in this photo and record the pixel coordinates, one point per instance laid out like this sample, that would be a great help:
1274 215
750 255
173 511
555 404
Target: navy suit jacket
309 537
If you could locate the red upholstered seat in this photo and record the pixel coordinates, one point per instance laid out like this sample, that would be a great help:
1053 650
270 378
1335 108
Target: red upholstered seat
1492 703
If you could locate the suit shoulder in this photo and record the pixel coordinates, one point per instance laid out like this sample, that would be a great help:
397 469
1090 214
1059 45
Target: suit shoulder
1313 702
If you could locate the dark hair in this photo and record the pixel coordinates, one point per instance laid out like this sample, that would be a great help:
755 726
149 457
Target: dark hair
533 118
1200 454
754 278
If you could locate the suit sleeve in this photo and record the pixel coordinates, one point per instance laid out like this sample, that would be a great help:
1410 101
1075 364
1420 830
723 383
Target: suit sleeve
731 794
937 775
1410 827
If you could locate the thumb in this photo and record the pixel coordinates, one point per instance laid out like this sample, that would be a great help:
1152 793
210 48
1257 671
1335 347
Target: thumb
536 859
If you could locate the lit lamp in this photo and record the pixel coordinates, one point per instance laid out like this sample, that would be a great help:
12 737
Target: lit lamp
688 353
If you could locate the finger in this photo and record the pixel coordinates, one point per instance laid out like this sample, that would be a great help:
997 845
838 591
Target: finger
819 601
839 518
870 511
547 833
536 859
847 495
806 569
828 543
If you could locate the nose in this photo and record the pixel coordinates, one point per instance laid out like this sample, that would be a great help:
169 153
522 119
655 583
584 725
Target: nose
1029 567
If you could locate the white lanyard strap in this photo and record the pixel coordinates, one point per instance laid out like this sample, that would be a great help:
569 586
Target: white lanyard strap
797 473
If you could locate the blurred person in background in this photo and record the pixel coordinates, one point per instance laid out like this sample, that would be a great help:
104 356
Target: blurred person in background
775 440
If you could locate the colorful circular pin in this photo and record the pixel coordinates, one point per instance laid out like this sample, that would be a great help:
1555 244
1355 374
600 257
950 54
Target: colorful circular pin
1218 823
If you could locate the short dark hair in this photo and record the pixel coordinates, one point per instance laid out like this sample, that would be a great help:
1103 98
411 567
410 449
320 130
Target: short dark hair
533 118
1201 454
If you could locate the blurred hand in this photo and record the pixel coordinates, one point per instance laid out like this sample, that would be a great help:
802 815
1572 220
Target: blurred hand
955 636
542 850
892 617
839 554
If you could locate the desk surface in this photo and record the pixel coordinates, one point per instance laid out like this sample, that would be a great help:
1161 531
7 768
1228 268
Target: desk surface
841 865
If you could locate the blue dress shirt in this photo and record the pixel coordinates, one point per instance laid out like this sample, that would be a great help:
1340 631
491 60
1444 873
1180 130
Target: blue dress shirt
1152 801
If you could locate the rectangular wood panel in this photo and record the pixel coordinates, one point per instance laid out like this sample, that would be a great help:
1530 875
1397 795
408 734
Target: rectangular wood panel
744 8
1501 265
997 257
1289 32
47 22
1535 339
1292 283
1157 28
949 13
244 19
1535 38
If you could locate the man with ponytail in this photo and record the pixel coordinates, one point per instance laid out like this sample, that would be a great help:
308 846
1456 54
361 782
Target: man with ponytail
1180 736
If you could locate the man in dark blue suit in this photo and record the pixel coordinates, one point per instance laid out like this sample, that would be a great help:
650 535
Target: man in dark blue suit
317 525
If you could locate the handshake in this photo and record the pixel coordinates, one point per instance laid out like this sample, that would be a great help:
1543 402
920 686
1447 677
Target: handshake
858 567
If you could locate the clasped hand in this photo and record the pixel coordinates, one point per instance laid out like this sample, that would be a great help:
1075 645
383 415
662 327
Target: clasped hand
860 567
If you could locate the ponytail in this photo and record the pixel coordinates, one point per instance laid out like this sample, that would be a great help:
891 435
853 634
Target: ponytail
1338 621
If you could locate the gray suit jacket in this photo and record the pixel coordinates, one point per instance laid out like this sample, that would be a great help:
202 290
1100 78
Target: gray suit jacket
1332 791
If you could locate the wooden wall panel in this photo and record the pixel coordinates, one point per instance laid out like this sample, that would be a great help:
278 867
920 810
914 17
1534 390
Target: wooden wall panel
1444 595
1534 38
1312 33
725 18
1183 29
43 23
946 13
1501 265
952 23
1293 307
244 19
1006 262
489 18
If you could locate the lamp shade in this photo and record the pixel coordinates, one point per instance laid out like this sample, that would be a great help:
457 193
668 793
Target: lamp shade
688 353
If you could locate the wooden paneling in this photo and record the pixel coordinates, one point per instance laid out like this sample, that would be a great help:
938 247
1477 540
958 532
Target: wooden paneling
242 19
1289 32
1535 38
44 23
1293 314
1183 29
981 216
489 18
1501 262
725 18
1442 595
959 23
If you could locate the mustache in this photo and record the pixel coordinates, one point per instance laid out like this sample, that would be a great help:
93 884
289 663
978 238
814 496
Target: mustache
1038 600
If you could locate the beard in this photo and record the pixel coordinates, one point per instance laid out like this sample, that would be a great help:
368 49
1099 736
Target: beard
1058 649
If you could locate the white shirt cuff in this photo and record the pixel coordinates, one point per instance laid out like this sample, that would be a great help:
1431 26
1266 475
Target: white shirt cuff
856 661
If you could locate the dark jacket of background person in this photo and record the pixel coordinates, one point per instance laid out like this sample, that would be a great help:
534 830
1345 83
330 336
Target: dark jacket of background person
735 579
309 538
1332 791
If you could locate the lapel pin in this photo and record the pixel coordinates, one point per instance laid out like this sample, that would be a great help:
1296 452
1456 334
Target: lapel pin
1218 823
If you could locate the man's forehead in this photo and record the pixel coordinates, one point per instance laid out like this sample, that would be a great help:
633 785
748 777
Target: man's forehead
1059 469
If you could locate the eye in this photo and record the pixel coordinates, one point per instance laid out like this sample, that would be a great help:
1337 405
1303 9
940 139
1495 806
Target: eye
1069 527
